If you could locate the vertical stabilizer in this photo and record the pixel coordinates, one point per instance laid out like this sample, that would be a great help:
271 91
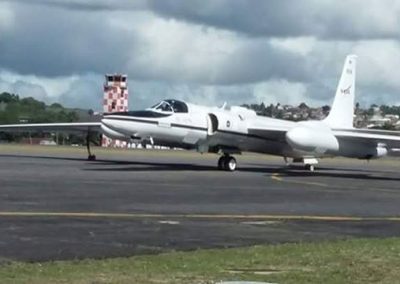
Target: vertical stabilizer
342 111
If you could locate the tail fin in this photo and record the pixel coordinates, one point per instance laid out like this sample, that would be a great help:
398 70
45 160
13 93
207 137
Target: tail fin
342 111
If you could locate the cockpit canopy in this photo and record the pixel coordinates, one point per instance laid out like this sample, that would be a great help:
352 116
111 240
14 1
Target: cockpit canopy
169 106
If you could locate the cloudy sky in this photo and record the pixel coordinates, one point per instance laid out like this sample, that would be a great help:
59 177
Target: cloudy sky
203 51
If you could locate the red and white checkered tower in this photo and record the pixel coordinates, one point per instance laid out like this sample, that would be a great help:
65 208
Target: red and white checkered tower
115 99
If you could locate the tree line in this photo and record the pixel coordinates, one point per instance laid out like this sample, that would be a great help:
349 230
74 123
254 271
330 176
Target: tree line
271 110
14 109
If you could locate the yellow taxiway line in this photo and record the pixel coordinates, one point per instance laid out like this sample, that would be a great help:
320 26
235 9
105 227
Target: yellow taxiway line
196 216
278 177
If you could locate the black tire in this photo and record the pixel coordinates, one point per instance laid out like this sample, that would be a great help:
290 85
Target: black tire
310 168
221 163
92 158
230 164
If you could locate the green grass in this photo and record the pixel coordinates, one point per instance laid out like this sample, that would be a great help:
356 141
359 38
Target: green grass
349 261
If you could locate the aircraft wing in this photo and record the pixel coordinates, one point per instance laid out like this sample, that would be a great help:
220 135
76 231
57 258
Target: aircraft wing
370 136
62 127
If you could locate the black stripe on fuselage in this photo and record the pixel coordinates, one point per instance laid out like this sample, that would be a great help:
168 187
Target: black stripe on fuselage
188 127
246 135
156 122
193 128
131 119
139 113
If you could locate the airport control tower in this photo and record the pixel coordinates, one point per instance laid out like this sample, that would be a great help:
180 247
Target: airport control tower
115 99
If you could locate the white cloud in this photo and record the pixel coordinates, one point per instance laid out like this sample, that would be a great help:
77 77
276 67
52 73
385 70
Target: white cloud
83 91
272 91
280 91
24 89
53 87
300 45
174 50
378 63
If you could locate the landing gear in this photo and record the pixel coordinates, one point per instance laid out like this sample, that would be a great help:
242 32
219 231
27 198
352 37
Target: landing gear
230 164
227 163
91 157
309 167
221 163
308 162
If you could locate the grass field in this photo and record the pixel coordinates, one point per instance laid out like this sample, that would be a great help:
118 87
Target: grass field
347 261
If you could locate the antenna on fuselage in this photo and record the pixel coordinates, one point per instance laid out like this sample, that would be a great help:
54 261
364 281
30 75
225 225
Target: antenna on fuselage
223 106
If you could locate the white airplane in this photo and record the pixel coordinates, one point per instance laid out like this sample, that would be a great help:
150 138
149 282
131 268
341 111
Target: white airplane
232 130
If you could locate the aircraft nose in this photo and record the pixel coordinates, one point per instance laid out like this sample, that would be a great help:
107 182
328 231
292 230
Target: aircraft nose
110 130
106 121
111 122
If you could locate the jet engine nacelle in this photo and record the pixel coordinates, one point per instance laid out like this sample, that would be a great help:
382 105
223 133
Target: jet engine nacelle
312 138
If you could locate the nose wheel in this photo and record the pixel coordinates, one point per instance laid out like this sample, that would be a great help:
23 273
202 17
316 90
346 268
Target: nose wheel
227 163
310 167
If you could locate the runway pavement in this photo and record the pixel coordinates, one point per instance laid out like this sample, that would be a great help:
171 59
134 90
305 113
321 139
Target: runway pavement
56 205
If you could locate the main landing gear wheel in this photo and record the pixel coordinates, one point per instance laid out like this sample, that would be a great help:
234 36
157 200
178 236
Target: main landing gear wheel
310 167
221 163
227 163
230 164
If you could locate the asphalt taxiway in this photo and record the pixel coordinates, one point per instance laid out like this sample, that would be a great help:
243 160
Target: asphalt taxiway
56 205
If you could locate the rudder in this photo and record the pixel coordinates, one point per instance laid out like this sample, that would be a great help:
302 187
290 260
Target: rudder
342 111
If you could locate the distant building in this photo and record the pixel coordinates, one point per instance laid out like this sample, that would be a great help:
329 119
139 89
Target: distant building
115 100
38 141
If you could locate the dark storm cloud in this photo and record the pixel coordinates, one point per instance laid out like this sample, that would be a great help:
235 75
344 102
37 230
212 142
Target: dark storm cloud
49 42
252 62
259 61
327 19
88 5
213 50
76 42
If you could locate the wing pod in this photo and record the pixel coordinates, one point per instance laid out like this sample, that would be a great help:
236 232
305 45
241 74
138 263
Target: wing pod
312 139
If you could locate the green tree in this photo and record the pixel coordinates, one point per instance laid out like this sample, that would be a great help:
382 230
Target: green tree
30 110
